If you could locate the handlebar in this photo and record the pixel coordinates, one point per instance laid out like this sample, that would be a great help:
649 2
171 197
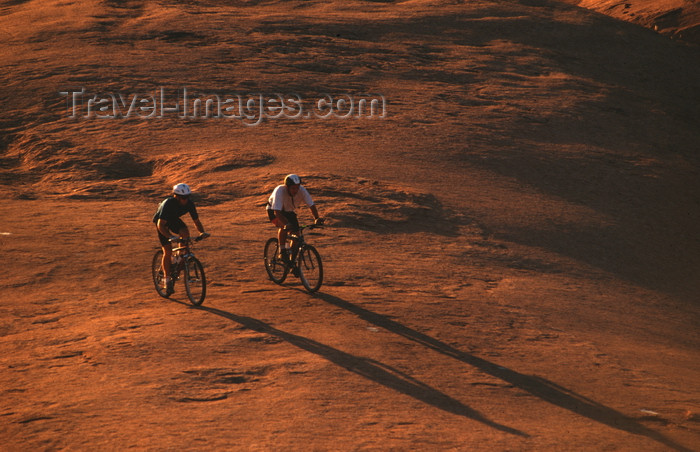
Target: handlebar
299 232
309 227
202 236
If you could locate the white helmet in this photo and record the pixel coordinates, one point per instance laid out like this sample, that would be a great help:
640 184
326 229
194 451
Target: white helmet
292 179
182 190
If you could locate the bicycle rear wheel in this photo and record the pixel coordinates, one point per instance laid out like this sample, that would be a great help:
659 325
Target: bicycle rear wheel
310 268
276 269
157 272
195 281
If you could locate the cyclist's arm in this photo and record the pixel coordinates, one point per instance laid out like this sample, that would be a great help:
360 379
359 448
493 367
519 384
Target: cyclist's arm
195 216
314 211
198 225
309 202
162 226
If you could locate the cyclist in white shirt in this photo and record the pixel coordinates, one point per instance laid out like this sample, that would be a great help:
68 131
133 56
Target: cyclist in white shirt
281 209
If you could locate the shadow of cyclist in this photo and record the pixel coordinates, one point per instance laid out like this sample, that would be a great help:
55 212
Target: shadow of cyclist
537 386
373 370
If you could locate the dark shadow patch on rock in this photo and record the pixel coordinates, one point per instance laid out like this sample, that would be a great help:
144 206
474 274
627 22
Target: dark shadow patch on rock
375 206
122 165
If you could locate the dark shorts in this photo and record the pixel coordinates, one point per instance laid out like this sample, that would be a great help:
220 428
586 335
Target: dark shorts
290 216
175 227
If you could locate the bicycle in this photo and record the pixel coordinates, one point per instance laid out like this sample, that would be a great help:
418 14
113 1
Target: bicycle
305 262
185 261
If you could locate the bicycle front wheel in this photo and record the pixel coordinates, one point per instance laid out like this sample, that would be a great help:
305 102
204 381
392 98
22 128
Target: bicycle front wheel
195 281
310 268
157 272
276 269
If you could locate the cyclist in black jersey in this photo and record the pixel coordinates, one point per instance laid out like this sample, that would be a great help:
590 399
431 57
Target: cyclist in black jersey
167 221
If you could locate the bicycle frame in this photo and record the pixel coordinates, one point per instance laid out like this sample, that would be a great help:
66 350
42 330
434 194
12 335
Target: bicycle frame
182 252
186 245
298 240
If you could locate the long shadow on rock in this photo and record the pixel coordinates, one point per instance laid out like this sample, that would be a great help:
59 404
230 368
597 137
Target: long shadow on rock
372 370
537 386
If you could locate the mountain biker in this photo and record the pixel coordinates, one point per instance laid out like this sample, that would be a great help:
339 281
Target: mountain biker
167 220
281 208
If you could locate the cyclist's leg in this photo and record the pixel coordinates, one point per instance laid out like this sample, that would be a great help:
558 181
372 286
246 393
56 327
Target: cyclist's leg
183 232
281 232
282 238
167 256
293 225
177 228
